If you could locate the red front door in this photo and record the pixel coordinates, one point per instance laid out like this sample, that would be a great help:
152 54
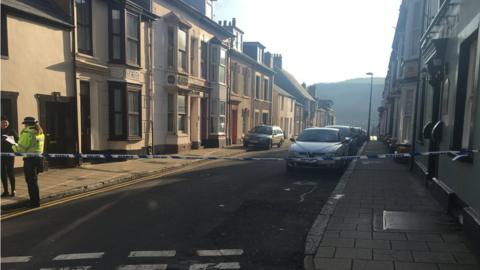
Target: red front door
234 125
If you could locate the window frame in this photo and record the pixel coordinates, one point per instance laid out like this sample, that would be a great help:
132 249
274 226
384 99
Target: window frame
121 35
182 116
4 37
127 38
87 26
461 100
180 68
257 86
125 89
266 86
204 60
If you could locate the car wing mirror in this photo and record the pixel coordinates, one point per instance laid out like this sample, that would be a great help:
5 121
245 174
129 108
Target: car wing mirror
292 139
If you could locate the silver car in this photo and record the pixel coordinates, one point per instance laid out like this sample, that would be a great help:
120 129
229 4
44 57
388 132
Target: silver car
264 136
313 144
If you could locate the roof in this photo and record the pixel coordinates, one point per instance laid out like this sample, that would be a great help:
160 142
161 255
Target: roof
248 59
282 92
254 43
202 18
286 81
44 10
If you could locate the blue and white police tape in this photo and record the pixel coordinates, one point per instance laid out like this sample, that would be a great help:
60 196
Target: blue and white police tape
313 157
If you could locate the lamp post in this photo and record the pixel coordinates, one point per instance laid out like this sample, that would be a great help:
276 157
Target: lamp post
369 105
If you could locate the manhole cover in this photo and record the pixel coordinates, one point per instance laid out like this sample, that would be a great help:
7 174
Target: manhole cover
417 221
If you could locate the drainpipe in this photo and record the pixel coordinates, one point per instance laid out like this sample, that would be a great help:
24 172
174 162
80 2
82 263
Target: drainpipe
417 93
150 90
74 76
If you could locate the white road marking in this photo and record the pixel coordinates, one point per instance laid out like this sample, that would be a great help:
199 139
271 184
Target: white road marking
79 256
206 266
68 268
220 252
19 259
143 267
153 253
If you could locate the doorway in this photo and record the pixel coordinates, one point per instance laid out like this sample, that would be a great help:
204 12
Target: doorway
204 121
85 114
234 125
57 117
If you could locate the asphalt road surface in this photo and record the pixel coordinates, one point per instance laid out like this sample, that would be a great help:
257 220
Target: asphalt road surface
223 215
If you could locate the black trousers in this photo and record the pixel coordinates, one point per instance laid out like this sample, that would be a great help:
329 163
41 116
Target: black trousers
8 173
31 166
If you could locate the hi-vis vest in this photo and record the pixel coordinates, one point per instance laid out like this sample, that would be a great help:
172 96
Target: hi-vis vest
30 141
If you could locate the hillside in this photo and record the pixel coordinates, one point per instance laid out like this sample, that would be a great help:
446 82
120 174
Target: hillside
350 99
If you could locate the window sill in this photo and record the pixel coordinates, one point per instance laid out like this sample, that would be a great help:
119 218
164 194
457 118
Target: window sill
129 139
5 57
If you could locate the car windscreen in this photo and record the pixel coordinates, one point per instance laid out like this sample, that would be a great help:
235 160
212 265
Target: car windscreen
262 130
318 135
344 131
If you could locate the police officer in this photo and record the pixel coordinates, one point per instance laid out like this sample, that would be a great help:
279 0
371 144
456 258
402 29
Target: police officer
31 140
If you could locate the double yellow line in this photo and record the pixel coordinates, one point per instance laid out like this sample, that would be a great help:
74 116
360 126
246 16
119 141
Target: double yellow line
26 210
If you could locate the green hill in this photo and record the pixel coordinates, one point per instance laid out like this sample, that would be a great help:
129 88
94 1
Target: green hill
351 98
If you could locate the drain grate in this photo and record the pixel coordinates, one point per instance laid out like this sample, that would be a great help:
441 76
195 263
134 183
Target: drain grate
418 221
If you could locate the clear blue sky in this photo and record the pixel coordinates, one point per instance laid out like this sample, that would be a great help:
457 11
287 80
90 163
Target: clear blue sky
320 40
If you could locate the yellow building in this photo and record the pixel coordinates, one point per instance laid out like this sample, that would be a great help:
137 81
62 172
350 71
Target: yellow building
37 77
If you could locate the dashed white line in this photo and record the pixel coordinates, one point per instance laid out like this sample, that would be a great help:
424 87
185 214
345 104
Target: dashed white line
18 259
68 268
220 252
79 256
153 253
143 267
205 266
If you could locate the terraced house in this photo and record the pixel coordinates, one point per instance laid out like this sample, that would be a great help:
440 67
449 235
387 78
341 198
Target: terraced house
37 72
190 77
445 114
249 99
113 59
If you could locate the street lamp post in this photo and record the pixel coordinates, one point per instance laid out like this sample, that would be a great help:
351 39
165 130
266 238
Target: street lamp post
369 105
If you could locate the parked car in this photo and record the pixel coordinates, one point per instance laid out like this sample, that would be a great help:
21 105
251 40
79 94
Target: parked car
264 136
348 133
317 142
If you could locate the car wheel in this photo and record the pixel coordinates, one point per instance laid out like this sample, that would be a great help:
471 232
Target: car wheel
269 145
280 144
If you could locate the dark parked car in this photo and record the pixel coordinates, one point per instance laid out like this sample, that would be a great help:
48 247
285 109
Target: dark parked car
318 143
264 136
348 133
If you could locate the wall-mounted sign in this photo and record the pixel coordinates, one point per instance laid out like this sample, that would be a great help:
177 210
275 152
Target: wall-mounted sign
182 80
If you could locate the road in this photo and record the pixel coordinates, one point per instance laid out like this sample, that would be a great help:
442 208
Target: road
222 215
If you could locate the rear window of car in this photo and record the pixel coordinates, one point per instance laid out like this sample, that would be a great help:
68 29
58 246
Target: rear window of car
262 130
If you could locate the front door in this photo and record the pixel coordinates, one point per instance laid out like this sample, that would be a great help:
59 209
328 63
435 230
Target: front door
434 145
204 120
85 114
59 125
234 125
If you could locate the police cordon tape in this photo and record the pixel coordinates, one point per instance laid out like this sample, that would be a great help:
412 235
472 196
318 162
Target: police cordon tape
316 157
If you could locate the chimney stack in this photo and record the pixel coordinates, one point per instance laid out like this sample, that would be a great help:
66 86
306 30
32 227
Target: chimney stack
234 22
277 61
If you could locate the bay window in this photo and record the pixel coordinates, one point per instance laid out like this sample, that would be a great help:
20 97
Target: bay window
203 60
170 46
125 111
84 26
133 39
170 113
182 50
218 64
182 116
124 37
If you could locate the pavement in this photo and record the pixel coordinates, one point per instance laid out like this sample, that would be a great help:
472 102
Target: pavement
57 183
380 216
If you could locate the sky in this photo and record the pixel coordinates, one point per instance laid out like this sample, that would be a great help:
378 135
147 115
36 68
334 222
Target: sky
320 40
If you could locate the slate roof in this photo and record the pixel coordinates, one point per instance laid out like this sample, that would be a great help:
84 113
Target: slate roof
41 9
287 82
281 91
